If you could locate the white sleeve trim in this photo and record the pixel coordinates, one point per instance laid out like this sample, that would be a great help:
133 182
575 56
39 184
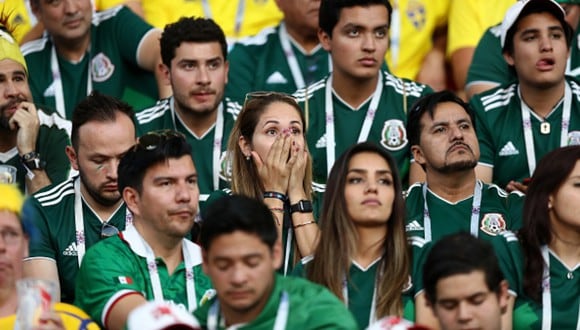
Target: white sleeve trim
111 302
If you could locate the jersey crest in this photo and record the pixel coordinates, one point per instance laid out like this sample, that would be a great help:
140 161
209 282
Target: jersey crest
225 167
101 68
493 224
394 135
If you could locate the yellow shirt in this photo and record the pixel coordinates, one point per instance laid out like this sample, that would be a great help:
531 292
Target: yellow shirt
255 14
418 20
19 19
468 20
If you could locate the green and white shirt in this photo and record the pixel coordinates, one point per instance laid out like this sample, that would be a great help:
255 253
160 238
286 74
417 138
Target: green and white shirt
489 66
209 150
109 66
53 138
511 145
497 211
273 61
294 303
561 282
125 264
385 124
55 219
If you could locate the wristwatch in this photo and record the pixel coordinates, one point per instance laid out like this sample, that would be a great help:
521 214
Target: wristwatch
303 206
31 161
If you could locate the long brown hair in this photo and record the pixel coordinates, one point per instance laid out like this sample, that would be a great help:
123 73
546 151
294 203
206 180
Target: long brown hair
338 238
551 172
244 177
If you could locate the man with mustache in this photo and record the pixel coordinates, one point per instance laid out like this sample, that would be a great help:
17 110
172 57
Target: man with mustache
194 53
74 214
358 101
151 260
443 141
521 121
31 140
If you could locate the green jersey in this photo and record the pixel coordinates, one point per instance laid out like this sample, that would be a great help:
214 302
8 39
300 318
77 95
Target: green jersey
360 295
498 211
120 266
109 66
53 137
273 61
386 125
489 66
564 288
308 306
55 220
208 150
502 137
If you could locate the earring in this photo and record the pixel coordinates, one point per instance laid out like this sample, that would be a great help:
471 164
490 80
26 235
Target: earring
248 157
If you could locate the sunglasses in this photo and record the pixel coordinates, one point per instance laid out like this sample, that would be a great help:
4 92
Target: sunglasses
267 94
108 230
153 140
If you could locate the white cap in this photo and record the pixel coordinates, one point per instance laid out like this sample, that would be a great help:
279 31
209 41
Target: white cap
160 315
514 12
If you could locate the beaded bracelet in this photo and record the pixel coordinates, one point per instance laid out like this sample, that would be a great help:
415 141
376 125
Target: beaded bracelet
275 194
304 224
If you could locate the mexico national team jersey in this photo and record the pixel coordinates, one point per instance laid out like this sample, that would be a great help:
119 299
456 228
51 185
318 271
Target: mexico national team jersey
273 61
502 137
54 217
564 289
498 211
387 128
360 295
208 150
53 137
110 63
294 303
120 266
489 66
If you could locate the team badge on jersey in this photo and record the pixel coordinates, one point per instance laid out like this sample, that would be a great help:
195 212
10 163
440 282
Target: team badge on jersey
574 138
416 14
493 224
394 135
225 167
101 68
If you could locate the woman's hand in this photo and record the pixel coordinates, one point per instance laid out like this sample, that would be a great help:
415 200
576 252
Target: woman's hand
296 182
275 170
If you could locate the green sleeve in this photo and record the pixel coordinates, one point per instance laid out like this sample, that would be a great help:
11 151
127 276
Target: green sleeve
51 145
40 244
241 76
488 64
510 258
108 272
515 205
484 134
129 30
420 250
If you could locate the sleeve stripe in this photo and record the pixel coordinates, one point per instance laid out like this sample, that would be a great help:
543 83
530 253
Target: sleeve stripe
111 303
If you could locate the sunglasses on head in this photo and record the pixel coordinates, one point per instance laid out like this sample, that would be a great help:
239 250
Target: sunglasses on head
153 140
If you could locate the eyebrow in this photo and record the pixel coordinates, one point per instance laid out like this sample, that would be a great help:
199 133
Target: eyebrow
274 121
360 26
537 30
361 171
446 123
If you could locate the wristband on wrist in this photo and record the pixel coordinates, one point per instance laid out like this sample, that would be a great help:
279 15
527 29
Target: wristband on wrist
275 194
31 161
304 224
303 206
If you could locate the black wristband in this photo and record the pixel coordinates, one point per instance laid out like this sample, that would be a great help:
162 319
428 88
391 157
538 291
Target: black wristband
303 206
274 194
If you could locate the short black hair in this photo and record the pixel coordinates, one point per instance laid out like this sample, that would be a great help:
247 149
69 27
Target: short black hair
151 149
456 254
237 213
427 104
190 29
100 108
329 13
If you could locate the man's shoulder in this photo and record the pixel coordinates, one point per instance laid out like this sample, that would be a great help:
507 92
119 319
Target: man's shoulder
35 47
496 99
403 86
155 113
57 195
314 90
107 15
54 122
265 37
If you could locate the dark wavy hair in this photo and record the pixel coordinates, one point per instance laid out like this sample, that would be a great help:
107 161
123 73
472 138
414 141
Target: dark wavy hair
550 174
329 13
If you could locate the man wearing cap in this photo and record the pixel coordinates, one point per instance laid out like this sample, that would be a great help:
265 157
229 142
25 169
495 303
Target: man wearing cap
114 52
241 252
521 121
74 214
31 140
489 69
151 260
